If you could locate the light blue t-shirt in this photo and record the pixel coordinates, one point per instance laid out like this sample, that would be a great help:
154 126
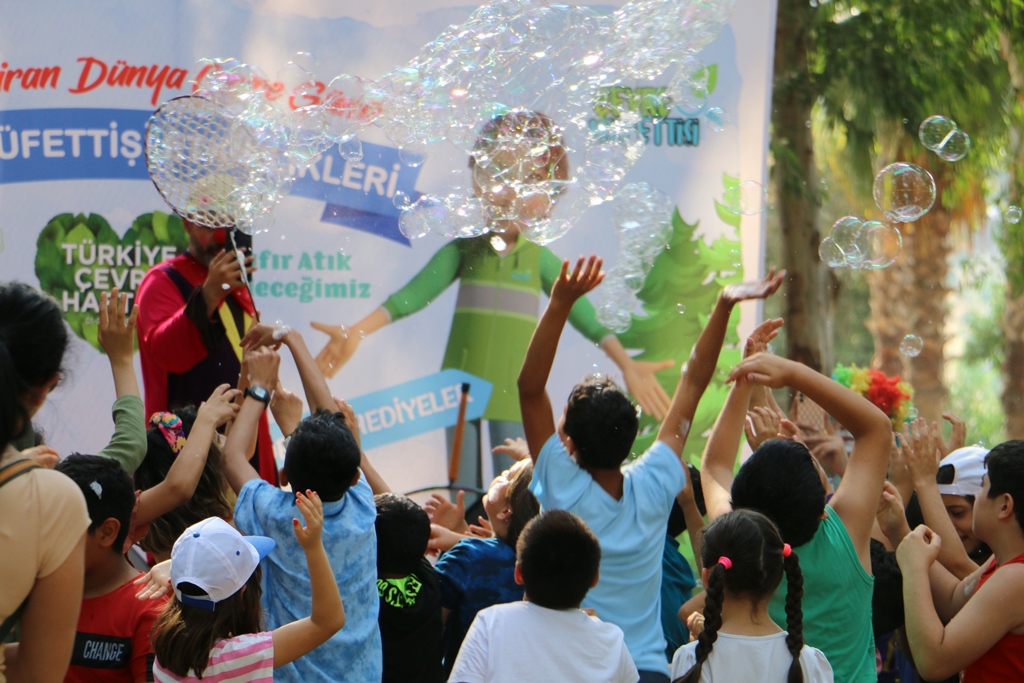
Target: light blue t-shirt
632 536
354 653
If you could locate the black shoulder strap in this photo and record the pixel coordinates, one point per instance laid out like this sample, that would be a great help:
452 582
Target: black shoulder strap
184 286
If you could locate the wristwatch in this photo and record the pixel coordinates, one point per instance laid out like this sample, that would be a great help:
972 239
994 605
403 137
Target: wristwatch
259 393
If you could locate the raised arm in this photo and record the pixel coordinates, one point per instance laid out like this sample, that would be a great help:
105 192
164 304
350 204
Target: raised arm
921 445
373 478
116 336
184 474
991 612
263 364
538 421
318 395
719 459
697 373
856 501
293 640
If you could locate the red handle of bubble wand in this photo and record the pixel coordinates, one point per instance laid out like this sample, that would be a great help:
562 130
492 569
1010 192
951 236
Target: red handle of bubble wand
455 461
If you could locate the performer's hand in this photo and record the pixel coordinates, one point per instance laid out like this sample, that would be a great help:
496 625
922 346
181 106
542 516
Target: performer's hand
570 286
262 364
642 383
116 334
341 346
224 275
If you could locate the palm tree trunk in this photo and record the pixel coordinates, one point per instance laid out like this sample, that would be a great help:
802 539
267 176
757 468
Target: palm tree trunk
1013 315
795 179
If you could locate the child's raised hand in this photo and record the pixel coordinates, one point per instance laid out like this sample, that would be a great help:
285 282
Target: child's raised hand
918 550
584 277
758 340
348 413
921 442
220 407
313 512
262 364
733 294
515 449
957 438
764 368
891 516
762 424
443 512
265 334
116 334
44 455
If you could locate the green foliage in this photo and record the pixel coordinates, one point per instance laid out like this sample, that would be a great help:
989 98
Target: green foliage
691 272
68 237
974 390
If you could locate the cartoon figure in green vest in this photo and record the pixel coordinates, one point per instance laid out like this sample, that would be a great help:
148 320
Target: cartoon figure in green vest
501 277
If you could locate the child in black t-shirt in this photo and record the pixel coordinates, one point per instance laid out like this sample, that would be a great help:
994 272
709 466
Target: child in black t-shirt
410 593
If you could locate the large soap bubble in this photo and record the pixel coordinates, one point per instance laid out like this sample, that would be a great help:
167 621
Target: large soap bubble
866 245
911 346
904 192
942 136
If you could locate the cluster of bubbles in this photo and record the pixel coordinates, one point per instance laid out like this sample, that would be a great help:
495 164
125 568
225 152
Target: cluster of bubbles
911 346
1013 215
942 136
857 243
643 221
508 56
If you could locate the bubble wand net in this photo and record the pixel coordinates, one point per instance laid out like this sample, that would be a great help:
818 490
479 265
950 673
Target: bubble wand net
194 154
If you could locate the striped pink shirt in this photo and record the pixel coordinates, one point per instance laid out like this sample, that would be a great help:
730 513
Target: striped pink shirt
241 659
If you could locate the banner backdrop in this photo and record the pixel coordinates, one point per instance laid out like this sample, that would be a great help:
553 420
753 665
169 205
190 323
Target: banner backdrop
79 214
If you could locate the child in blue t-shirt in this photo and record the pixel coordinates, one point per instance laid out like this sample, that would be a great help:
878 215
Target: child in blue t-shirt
480 572
324 456
578 464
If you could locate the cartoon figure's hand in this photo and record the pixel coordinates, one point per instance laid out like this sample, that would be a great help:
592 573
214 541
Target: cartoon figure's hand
339 349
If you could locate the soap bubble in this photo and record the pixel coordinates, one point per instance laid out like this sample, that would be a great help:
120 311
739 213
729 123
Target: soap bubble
351 150
401 200
911 346
716 119
424 216
749 198
883 245
912 413
1013 215
956 146
904 192
680 308
847 236
935 131
830 254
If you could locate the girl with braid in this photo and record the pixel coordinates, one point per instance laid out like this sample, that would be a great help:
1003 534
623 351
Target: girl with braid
744 559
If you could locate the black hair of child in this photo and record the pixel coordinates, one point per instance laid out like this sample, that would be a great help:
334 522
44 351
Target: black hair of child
403 530
33 339
676 518
781 481
322 456
755 548
602 423
108 490
559 557
209 499
1005 465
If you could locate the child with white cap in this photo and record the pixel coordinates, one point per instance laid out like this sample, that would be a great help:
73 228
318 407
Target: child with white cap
212 629
946 490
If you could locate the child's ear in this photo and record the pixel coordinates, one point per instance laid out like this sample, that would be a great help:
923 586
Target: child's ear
282 477
107 532
597 577
355 479
1006 510
518 574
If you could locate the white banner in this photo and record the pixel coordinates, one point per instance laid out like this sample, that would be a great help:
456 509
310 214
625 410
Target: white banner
79 80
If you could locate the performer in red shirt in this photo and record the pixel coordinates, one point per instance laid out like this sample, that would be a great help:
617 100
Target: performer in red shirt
193 311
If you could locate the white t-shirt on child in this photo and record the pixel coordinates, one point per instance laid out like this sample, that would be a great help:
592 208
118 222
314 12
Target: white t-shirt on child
520 642
752 658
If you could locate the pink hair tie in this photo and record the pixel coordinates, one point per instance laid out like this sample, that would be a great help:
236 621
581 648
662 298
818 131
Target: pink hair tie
786 550
725 562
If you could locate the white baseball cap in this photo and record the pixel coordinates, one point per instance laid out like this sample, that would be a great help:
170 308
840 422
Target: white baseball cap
960 473
213 556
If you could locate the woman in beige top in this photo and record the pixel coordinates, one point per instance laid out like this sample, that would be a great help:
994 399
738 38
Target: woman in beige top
43 518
